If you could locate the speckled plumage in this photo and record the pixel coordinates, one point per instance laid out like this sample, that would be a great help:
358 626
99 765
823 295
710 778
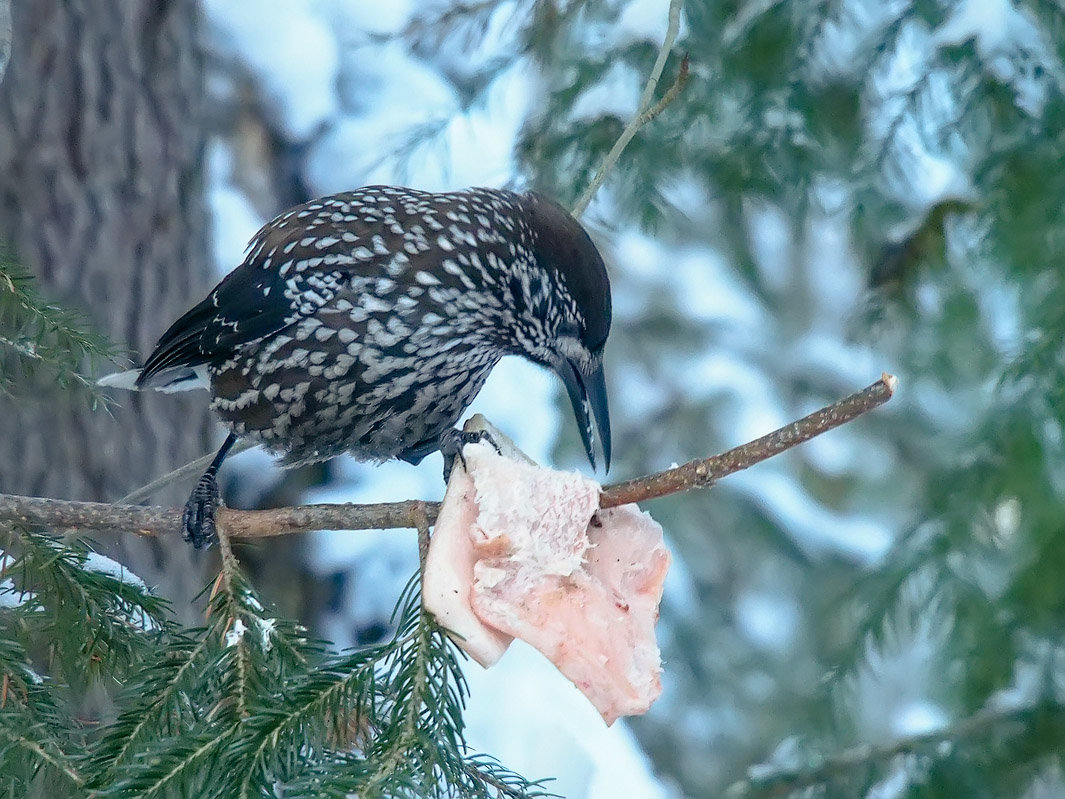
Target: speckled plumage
367 321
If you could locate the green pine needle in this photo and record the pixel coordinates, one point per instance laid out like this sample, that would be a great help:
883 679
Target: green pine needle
42 343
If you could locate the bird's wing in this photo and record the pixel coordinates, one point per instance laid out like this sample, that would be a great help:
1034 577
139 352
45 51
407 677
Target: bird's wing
298 262
239 310
275 286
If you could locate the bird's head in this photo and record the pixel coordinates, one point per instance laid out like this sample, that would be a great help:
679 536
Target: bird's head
576 313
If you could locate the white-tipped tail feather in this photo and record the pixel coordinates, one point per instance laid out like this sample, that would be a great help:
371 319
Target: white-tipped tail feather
126 380
168 381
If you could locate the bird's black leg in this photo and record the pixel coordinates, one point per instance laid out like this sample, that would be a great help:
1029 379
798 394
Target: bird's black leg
452 441
197 522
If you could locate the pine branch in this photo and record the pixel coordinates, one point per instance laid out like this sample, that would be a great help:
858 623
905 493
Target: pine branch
152 702
155 520
505 783
31 722
411 659
37 336
181 756
59 591
417 739
233 606
325 698
42 749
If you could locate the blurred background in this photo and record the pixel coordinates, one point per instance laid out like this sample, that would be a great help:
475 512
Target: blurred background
842 188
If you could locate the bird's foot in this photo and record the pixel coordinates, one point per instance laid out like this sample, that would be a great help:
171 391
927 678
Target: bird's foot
452 442
197 522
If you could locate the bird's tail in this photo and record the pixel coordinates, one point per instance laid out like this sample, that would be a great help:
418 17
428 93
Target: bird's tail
183 378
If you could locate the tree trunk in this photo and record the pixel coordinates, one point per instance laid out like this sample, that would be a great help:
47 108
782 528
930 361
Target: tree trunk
101 197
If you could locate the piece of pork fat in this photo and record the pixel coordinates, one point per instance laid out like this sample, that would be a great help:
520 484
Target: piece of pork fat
595 624
516 556
448 576
496 507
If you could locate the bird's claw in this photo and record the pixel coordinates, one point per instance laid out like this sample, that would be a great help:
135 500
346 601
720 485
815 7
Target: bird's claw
197 522
452 442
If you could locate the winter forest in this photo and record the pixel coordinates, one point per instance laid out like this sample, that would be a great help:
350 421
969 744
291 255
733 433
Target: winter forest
795 198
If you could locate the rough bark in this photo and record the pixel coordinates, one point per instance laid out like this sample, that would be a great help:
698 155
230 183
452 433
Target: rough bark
101 197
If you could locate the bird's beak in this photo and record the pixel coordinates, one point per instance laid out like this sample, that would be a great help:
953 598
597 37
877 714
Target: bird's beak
587 392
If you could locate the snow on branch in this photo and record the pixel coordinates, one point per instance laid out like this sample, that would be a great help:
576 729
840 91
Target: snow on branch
155 520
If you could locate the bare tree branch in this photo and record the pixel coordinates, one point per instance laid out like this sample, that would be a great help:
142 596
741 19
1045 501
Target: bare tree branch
154 520
645 112
701 473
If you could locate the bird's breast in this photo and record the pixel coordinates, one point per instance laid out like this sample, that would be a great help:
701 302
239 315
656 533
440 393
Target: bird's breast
374 389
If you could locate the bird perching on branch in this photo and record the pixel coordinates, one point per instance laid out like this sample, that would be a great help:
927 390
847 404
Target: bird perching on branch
366 322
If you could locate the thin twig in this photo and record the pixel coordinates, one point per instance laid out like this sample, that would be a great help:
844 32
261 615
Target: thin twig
419 519
671 93
191 469
786 781
501 788
644 111
230 564
701 473
154 520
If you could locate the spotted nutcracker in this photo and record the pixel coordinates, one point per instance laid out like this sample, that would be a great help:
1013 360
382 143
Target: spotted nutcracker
366 322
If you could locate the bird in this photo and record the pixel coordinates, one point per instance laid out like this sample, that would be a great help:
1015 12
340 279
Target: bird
366 322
